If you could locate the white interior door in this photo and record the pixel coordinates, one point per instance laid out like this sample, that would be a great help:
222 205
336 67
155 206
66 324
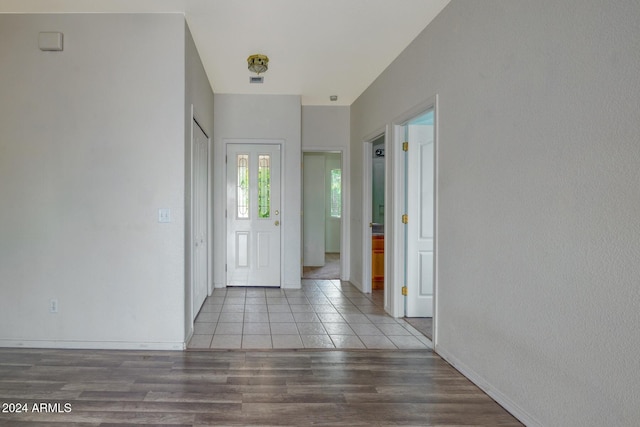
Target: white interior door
420 227
313 209
253 215
199 217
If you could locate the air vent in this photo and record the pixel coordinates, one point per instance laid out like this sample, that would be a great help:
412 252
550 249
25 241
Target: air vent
256 79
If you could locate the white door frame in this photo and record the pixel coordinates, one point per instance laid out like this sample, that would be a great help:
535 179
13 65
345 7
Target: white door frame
345 241
283 203
398 177
189 222
367 188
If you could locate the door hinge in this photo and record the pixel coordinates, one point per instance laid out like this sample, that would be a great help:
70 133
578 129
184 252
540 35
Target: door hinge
405 219
405 146
404 291
225 267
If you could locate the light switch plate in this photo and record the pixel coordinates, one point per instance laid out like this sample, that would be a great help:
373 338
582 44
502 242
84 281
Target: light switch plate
164 215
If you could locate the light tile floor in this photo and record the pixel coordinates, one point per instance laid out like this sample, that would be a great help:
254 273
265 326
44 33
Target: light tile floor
322 314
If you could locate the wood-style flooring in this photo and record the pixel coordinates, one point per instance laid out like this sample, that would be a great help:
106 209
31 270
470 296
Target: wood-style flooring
239 388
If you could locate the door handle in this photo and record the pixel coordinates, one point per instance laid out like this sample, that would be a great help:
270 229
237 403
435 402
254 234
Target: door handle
277 223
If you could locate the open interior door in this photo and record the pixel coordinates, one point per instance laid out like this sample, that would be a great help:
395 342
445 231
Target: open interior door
419 133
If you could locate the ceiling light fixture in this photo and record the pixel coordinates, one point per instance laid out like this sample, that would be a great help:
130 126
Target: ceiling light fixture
258 63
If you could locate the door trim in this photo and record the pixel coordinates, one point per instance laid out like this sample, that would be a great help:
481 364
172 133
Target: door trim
283 202
367 188
398 124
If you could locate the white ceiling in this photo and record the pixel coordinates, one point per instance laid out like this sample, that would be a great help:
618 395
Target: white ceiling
316 48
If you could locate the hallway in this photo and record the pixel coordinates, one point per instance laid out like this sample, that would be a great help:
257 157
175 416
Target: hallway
323 314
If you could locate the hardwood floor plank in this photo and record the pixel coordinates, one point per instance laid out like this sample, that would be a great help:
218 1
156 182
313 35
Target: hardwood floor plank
241 388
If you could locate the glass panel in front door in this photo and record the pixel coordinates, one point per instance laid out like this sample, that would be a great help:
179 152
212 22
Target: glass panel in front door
264 186
242 185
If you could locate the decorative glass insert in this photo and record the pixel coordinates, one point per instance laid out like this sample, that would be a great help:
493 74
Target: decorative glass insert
243 186
336 193
264 186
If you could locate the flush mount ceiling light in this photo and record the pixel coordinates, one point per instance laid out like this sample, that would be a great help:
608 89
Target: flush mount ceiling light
258 63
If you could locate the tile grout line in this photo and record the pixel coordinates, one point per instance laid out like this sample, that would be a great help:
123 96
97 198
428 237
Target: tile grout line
334 296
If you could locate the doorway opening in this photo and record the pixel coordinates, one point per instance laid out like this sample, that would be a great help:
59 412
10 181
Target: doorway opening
419 189
377 213
199 217
322 215
198 227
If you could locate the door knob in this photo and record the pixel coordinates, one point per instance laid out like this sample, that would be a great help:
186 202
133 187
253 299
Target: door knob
277 223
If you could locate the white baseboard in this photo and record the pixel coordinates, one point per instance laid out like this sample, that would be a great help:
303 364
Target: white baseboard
93 345
503 400
284 285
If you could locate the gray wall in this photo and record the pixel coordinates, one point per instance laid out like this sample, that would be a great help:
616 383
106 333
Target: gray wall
261 117
325 127
538 198
91 145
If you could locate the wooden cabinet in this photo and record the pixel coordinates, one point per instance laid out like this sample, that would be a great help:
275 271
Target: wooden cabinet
377 262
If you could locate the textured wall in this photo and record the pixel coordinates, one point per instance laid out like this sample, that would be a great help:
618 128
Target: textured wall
538 198
91 145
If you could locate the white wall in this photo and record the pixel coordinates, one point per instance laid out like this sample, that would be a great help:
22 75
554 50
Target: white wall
538 198
91 145
261 117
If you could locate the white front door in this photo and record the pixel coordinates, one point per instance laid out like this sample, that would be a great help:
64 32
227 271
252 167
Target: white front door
420 227
199 216
253 215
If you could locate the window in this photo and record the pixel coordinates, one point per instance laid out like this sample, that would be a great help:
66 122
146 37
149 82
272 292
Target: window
336 193
242 186
264 186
